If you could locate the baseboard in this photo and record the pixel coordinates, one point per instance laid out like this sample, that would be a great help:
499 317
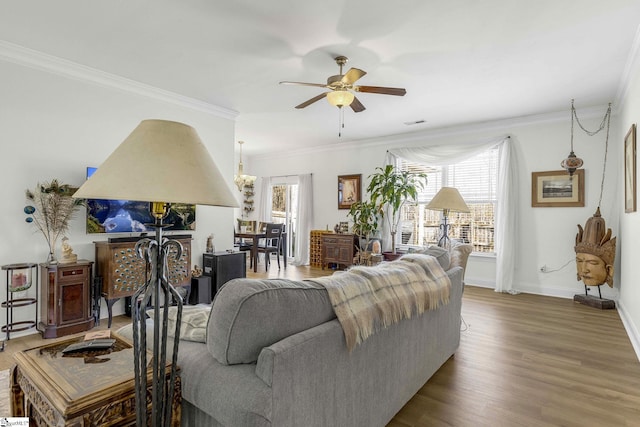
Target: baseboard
632 331
480 283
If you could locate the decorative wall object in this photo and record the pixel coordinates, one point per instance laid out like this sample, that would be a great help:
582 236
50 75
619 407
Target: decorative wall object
50 210
349 190
555 189
630 170
248 199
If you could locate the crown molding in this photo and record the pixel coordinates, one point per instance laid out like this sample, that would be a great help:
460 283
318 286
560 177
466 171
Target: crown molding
26 57
408 139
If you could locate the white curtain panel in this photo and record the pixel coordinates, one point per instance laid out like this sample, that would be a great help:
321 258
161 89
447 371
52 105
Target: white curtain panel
305 219
506 215
266 200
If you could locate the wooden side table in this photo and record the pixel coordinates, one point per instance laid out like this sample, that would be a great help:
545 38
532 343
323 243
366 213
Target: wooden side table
95 388
66 298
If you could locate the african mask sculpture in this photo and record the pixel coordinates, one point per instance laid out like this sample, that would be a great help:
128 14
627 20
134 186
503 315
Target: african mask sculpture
595 252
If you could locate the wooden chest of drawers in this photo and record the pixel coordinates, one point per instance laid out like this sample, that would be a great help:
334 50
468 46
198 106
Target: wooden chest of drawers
123 272
338 249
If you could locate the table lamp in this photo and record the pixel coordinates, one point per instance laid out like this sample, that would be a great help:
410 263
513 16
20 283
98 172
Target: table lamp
161 162
446 200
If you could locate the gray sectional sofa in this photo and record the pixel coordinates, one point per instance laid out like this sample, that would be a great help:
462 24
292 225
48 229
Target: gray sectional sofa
275 355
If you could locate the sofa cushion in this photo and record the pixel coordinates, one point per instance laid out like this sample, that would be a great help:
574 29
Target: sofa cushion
249 314
441 254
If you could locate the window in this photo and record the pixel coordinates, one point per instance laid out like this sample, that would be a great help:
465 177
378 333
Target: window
475 179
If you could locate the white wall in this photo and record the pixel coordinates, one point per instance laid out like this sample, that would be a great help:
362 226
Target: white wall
52 126
545 235
628 241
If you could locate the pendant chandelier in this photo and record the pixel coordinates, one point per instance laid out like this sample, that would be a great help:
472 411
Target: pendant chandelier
241 180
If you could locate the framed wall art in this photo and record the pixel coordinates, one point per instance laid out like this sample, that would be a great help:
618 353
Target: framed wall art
552 189
348 190
630 170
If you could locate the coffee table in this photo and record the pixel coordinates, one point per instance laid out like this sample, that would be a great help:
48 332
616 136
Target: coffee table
93 388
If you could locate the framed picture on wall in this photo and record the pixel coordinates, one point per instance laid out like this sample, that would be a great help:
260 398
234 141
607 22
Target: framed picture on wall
630 170
348 190
555 189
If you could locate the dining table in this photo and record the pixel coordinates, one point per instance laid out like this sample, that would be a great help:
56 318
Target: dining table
255 237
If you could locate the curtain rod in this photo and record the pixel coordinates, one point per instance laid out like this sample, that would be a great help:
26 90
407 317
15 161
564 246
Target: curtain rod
508 136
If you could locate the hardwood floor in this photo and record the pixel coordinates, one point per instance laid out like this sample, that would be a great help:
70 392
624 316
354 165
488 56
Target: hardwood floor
529 360
524 360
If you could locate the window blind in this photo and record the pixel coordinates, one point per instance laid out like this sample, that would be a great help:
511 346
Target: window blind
476 180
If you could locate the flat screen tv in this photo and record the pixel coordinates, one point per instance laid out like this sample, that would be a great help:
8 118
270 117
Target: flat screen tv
126 216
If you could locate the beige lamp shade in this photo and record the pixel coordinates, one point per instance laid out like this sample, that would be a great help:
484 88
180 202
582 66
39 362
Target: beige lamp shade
448 199
160 161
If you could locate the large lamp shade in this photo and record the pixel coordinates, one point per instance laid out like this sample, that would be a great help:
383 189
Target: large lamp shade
160 161
448 199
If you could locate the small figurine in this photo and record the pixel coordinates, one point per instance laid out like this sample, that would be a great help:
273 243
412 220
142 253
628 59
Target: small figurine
68 256
196 272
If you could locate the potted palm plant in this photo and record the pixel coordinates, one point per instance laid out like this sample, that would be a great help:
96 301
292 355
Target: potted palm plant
389 189
365 224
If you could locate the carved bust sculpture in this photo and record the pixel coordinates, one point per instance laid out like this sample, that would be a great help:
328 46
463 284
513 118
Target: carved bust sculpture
595 252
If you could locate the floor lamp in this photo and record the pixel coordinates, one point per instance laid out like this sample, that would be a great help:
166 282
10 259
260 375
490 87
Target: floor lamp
161 162
446 200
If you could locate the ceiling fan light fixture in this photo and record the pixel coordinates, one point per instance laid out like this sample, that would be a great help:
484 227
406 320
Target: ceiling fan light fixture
340 98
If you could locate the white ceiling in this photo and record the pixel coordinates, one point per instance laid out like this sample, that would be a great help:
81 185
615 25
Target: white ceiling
461 61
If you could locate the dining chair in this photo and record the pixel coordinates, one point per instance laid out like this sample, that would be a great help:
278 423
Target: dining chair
242 244
271 243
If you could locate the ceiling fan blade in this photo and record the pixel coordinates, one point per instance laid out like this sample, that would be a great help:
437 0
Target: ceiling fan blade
304 84
312 100
352 75
357 106
397 91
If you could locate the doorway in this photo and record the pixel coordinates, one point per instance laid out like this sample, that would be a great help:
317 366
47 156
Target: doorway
284 209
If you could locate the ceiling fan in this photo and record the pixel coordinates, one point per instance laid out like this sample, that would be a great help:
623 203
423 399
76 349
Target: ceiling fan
342 84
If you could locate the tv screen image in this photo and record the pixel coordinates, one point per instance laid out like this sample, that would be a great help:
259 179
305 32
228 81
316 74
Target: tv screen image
127 216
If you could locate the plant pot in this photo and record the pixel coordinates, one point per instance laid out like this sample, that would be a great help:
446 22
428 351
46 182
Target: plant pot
390 256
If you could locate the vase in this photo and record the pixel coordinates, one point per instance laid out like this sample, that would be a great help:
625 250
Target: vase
51 258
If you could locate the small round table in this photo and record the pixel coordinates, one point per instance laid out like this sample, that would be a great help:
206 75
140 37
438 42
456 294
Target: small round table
20 277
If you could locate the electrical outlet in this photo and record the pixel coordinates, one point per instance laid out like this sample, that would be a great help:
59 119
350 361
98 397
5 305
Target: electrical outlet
543 269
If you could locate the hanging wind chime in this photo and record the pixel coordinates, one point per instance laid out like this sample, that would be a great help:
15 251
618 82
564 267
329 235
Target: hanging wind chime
573 162
595 248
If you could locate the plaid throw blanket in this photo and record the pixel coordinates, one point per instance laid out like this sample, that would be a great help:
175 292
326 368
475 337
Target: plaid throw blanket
366 299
